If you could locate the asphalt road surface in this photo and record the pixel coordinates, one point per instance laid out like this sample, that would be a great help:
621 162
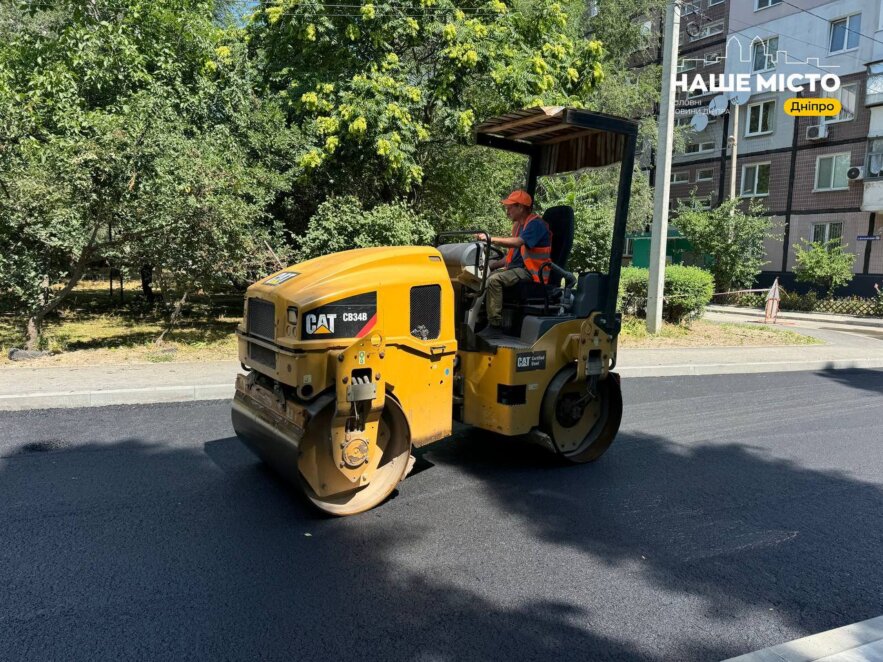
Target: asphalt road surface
732 513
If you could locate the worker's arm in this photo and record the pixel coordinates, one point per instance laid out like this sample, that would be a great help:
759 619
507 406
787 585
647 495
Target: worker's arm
508 242
505 242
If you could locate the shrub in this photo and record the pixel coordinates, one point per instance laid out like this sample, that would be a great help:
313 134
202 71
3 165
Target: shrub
341 224
633 291
797 302
687 291
878 301
825 264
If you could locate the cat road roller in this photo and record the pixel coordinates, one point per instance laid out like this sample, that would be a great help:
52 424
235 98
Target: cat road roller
354 359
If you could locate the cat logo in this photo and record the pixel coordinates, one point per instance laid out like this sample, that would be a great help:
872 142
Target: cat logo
320 324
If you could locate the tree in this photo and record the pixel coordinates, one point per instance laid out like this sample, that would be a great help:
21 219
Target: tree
342 224
730 236
141 142
372 84
825 264
593 195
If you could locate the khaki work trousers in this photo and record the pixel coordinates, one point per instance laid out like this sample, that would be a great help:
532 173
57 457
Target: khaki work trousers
495 284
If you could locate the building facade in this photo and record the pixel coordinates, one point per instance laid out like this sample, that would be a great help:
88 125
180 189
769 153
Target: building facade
818 178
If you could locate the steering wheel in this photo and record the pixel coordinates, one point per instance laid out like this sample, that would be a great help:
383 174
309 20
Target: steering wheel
496 253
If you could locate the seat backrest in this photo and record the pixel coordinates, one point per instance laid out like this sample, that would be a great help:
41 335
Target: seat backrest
560 222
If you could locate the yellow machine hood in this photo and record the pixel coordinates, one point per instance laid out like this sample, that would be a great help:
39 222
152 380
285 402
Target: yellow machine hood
335 276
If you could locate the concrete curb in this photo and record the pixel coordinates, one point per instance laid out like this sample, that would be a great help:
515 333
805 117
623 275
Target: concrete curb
158 394
859 641
129 396
804 317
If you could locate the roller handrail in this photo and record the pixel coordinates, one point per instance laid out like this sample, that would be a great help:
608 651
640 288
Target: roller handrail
487 261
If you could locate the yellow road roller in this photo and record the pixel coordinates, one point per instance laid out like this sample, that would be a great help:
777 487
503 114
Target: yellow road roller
356 358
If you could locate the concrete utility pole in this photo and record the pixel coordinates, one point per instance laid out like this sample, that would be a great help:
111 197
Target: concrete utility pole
734 144
659 232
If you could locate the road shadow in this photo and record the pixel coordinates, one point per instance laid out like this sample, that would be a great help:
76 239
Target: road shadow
858 378
148 549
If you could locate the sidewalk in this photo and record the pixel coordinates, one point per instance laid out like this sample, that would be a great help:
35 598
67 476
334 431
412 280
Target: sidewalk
92 386
852 643
820 318
50 387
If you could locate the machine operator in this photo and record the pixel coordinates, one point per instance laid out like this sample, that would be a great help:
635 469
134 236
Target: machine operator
530 248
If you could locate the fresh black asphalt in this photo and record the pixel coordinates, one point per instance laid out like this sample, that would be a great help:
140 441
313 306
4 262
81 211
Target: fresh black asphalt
732 513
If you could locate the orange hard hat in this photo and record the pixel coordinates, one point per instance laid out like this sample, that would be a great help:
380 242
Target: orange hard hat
518 197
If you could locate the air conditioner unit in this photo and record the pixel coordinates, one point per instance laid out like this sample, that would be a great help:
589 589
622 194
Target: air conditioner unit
817 132
855 173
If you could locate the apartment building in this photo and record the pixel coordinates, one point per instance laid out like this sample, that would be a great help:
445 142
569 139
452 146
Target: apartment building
818 178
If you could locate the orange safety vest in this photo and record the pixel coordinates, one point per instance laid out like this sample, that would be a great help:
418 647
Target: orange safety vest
536 257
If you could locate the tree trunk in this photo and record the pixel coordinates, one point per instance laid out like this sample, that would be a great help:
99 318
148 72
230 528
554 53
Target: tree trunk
35 321
146 281
34 324
172 320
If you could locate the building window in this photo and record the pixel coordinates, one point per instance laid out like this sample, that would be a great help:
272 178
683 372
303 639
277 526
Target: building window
874 84
760 118
708 30
874 161
831 172
711 58
755 180
847 95
763 4
712 3
823 232
682 177
683 119
699 148
764 54
686 64
629 248
845 33
593 8
703 202
705 174
688 7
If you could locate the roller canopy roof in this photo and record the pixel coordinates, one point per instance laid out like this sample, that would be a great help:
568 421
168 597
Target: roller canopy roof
559 139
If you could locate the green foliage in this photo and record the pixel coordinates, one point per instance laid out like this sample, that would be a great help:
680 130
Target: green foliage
141 142
341 224
592 195
371 84
753 299
789 300
825 264
464 186
732 236
633 283
686 292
